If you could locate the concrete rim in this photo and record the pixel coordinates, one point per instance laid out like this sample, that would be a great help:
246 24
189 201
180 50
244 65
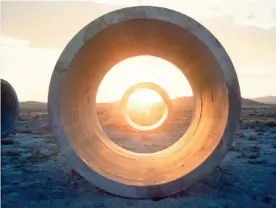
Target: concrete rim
59 75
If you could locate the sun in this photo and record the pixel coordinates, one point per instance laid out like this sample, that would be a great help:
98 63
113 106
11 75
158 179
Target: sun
143 69
145 109
143 97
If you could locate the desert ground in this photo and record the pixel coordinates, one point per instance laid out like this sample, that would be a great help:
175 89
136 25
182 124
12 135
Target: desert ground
35 174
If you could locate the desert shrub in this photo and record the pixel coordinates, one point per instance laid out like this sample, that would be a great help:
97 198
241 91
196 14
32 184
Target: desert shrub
7 142
271 123
11 153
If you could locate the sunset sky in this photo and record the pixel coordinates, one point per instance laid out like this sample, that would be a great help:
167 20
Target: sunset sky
33 34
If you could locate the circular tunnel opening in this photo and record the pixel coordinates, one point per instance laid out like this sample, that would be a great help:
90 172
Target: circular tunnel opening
9 108
145 107
128 33
144 80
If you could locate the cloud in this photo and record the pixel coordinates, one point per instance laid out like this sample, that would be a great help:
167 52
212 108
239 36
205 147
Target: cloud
260 13
245 43
237 10
53 24
48 26
247 30
28 69
117 2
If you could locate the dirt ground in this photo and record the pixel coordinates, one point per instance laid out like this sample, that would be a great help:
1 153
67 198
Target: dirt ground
35 174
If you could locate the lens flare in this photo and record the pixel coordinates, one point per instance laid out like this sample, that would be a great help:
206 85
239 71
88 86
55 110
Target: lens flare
141 100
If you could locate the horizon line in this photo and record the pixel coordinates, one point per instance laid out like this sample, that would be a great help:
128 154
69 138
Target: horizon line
116 101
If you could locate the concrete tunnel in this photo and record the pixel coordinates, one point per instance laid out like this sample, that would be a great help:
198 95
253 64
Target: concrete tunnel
9 108
121 34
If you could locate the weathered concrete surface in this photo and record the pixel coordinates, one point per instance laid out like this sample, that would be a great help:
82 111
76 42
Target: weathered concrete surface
159 90
144 31
9 108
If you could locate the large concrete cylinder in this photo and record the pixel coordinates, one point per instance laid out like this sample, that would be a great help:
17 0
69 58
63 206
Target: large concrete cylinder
122 34
9 108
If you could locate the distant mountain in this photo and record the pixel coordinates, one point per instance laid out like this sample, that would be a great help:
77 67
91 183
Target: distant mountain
33 105
183 101
189 102
186 102
266 99
248 102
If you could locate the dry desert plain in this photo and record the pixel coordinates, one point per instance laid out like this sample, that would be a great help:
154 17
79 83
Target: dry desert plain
35 174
